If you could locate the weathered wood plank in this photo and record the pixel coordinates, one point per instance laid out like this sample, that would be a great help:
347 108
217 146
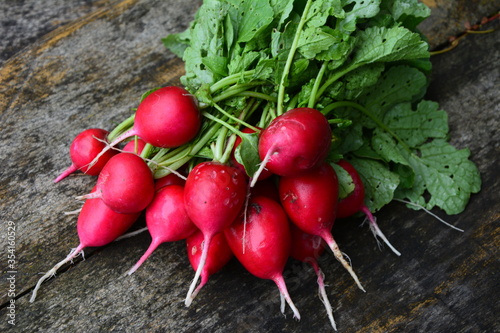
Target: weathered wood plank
90 72
450 18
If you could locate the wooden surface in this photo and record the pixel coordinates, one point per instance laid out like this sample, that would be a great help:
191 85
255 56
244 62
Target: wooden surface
67 66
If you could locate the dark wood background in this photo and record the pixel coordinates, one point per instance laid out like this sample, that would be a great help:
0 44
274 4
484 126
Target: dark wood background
67 66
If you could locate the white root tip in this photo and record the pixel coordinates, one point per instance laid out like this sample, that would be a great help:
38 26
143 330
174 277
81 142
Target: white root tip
283 303
340 257
73 212
52 272
131 234
191 295
376 230
430 213
280 282
324 298
91 195
132 270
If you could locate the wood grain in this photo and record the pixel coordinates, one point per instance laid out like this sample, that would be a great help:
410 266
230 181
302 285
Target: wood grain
90 70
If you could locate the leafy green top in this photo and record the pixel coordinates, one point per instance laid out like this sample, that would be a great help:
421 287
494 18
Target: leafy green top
362 63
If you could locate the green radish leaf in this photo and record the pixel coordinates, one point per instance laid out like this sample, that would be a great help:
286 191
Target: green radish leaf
315 40
398 84
366 151
346 184
149 92
250 18
359 9
377 44
320 11
380 183
357 81
247 153
409 13
216 64
361 61
177 43
415 127
205 153
446 174
417 140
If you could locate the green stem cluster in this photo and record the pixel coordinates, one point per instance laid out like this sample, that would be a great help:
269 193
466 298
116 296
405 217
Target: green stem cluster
230 104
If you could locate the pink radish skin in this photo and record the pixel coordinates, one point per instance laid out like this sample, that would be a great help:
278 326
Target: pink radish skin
168 117
170 179
354 203
219 254
294 142
308 248
125 184
310 201
84 148
135 146
97 225
167 220
214 195
268 242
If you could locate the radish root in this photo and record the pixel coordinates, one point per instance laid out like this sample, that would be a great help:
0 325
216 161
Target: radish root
131 234
376 230
152 247
283 303
338 254
73 212
322 294
191 295
430 213
262 166
52 272
280 282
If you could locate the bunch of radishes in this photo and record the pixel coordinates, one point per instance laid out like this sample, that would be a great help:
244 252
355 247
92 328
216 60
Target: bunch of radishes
285 208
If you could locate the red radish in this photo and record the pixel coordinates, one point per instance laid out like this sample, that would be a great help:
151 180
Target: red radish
354 203
310 201
218 255
268 242
294 142
264 174
125 184
84 148
166 219
97 225
168 117
267 188
135 146
308 248
214 195
170 179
